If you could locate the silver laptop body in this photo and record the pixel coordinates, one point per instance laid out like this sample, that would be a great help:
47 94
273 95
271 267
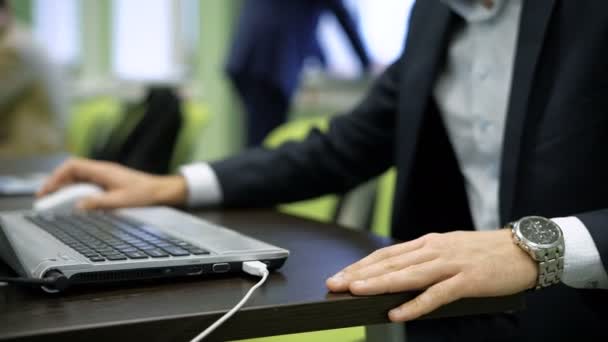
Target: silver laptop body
33 252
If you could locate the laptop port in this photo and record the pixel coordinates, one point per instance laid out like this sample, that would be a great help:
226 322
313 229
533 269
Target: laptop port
197 270
221 267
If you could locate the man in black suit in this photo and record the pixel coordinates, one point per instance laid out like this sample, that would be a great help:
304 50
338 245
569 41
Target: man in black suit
271 42
497 110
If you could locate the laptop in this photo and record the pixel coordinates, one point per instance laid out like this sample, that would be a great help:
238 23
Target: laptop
23 184
125 245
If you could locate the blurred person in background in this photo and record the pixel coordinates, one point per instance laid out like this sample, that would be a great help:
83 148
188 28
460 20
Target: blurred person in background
31 105
271 42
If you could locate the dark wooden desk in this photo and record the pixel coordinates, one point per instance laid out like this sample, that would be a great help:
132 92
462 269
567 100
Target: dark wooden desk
293 300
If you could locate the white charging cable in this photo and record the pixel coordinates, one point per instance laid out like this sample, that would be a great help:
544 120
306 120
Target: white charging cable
256 268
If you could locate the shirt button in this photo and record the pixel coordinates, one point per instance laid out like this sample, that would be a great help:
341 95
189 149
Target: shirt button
482 74
493 169
485 126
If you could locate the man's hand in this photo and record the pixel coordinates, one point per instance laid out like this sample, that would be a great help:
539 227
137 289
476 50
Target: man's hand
123 187
447 266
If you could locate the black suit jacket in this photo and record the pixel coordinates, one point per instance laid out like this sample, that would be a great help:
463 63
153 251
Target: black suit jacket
554 160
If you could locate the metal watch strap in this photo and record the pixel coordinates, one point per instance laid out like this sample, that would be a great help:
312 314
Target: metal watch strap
550 266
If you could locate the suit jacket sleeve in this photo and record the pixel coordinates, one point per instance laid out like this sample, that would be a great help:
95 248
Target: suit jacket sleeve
356 147
596 222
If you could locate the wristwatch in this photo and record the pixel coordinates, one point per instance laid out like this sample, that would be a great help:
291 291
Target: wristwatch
544 241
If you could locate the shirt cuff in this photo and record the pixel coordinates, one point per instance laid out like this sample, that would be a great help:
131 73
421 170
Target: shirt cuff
583 266
203 185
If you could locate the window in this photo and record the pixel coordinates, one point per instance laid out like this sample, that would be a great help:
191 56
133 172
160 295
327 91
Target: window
153 40
382 24
56 27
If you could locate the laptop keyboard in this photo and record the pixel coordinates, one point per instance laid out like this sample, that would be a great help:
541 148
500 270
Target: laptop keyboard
101 236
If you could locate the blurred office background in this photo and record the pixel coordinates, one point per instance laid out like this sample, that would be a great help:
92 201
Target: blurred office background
116 48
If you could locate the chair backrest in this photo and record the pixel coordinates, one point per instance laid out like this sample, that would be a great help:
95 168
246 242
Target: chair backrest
374 198
323 208
196 118
146 136
90 123
383 207
92 120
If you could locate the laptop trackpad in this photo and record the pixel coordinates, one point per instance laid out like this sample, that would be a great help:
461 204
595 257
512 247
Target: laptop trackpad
195 230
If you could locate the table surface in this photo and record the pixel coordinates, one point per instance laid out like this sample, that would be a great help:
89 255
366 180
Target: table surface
294 299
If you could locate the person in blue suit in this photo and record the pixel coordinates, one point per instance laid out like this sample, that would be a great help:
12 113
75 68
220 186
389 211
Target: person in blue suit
271 42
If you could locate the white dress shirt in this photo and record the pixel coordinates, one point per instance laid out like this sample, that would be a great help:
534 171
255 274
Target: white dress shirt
472 93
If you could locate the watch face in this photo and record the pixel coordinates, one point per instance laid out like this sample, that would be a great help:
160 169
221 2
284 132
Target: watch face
539 230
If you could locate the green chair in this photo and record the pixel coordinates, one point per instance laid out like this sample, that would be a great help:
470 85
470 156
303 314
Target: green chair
322 208
93 120
90 123
195 119
381 223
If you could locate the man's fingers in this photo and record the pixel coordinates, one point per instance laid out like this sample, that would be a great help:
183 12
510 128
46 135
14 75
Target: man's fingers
393 264
61 176
432 298
411 278
74 170
340 281
385 253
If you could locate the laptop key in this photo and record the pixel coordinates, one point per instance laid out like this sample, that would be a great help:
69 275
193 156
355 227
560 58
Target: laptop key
146 247
110 253
97 259
105 250
128 249
197 251
176 251
136 255
163 244
156 253
114 257
122 246
141 244
132 240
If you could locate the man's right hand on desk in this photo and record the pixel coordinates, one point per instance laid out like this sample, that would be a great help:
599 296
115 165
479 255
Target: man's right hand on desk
123 187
